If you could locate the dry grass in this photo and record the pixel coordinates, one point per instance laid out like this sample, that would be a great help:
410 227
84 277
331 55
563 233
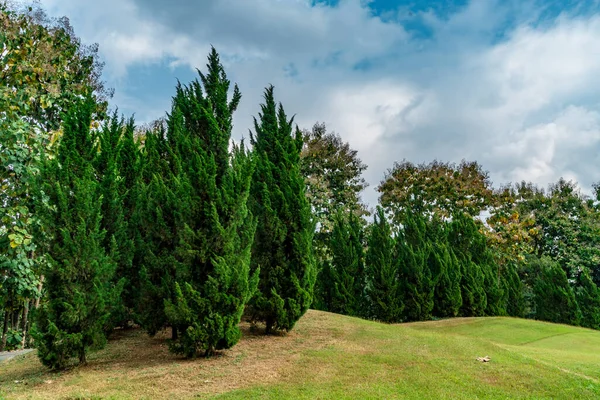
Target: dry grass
135 363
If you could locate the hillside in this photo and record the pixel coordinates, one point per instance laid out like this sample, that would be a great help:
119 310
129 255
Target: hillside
332 356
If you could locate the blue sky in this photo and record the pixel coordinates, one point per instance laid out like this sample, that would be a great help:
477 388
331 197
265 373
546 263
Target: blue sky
511 84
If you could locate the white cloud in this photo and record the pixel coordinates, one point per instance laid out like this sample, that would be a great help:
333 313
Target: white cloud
525 106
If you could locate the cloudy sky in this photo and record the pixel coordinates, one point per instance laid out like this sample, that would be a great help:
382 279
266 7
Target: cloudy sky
513 84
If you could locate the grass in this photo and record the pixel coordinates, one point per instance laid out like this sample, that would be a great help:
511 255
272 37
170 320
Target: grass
332 356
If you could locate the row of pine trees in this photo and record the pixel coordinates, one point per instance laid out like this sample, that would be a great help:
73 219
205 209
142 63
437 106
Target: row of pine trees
431 268
178 230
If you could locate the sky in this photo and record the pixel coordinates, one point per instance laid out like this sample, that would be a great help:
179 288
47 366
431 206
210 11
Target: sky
512 84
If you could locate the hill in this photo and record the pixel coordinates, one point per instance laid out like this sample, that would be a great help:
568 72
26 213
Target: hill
333 356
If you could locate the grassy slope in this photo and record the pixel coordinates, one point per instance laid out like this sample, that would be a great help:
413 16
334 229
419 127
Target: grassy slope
332 356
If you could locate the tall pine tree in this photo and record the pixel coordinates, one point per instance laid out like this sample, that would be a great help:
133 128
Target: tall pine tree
554 298
447 296
462 231
588 299
79 283
112 190
283 244
414 250
345 273
215 230
156 218
383 286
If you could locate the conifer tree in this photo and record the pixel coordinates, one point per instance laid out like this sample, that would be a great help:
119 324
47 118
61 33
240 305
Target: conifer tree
215 230
155 217
117 241
383 286
462 230
514 288
482 256
79 282
414 250
345 274
283 244
447 296
554 298
588 299
129 166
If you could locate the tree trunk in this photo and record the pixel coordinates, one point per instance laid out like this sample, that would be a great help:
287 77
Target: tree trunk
25 322
269 325
4 331
82 358
40 286
174 335
16 318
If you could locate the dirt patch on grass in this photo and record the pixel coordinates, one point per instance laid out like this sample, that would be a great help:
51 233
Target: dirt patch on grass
134 363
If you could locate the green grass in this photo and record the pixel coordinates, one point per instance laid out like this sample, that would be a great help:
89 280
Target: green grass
332 356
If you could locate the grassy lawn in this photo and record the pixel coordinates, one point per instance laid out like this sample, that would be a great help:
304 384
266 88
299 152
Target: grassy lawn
332 356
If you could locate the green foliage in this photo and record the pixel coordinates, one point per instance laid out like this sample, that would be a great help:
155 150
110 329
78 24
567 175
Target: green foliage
44 68
383 286
515 290
334 182
588 300
446 268
282 248
213 228
462 231
155 217
413 251
440 188
344 277
117 241
554 298
79 285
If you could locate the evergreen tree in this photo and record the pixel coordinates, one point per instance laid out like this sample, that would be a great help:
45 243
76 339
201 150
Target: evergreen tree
155 217
513 286
383 286
116 241
554 298
462 230
588 299
283 244
129 166
481 254
79 285
215 230
414 250
447 296
345 275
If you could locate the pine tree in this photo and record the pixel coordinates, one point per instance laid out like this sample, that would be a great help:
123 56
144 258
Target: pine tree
462 231
447 296
215 230
79 282
414 250
513 286
481 254
283 244
383 286
346 271
156 219
116 241
588 299
129 166
554 298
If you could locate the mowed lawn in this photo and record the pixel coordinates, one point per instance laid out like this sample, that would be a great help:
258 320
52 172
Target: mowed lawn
332 356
